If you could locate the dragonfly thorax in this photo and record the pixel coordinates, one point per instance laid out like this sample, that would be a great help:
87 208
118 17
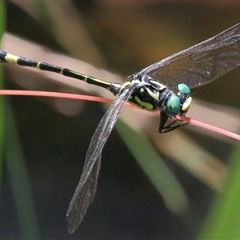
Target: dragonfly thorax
147 93
152 95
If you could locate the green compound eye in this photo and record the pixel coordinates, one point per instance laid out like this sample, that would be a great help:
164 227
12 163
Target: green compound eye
173 106
184 89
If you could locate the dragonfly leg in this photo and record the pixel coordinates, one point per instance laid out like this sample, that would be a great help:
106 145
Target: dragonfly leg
173 125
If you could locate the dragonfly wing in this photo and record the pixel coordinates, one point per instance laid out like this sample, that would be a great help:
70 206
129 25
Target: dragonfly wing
201 63
83 196
87 185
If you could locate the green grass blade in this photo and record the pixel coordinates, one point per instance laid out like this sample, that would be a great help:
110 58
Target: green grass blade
19 180
153 166
15 163
224 219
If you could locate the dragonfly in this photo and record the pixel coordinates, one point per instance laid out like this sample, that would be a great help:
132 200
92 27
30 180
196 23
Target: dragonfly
164 85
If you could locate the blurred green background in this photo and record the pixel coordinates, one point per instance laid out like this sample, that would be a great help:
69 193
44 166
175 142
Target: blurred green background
151 186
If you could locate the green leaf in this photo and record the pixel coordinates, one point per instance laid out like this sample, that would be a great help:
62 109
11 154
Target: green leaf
223 222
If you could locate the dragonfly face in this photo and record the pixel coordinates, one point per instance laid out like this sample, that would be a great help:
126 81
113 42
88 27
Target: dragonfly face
176 104
185 98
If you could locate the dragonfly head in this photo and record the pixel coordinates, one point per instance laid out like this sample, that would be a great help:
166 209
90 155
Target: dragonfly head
180 103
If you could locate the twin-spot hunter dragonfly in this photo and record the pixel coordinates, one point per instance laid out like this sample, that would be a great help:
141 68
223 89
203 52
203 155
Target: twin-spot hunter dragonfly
164 86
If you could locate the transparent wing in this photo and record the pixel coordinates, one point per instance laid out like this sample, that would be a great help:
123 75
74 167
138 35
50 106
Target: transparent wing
87 185
83 196
201 63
